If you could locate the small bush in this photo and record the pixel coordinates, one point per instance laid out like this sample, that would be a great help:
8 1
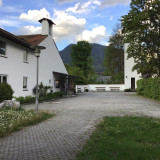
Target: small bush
149 87
6 92
30 99
86 90
26 99
42 90
128 90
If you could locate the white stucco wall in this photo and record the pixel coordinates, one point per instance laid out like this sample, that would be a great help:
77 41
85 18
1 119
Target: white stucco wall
128 73
93 87
14 67
49 62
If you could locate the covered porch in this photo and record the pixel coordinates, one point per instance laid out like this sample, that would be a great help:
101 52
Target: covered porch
64 82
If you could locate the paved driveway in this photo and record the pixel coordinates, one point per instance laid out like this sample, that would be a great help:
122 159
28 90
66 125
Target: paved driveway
76 117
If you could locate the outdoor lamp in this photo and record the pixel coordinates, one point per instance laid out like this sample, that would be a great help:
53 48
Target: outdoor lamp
37 54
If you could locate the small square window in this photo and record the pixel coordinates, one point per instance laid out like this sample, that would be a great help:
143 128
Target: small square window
25 56
3 78
25 82
2 48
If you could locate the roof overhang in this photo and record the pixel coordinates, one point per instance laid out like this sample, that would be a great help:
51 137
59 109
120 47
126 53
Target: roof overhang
14 38
67 76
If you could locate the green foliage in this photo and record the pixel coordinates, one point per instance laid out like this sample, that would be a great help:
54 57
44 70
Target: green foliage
114 56
26 99
81 65
149 87
117 78
128 90
42 90
142 32
15 119
81 56
6 92
47 96
124 138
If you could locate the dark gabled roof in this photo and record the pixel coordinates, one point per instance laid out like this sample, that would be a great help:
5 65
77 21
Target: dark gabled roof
34 40
51 22
14 38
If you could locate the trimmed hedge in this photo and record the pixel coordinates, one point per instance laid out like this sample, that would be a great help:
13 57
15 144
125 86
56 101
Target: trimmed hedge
149 87
48 96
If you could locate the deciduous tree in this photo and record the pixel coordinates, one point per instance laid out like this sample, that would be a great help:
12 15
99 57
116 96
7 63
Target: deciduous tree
114 55
141 27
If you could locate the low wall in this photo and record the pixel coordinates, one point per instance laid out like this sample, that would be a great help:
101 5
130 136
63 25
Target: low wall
100 87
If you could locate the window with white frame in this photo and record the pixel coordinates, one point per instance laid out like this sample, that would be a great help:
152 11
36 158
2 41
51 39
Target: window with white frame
25 56
2 48
25 83
3 78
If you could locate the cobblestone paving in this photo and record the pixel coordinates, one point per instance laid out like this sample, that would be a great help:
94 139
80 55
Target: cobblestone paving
60 138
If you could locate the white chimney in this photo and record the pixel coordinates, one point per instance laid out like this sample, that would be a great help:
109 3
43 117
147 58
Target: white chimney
46 26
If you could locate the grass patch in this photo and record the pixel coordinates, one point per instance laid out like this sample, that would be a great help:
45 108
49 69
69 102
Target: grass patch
124 138
15 119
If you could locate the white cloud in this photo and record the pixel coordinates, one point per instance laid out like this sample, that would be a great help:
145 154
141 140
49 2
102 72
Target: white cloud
94 36
9 23
79 8
0 2
97 2
67 26
107 3
35 15
27 30
83 7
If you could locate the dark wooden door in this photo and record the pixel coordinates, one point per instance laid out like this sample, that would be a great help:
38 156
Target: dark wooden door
133 83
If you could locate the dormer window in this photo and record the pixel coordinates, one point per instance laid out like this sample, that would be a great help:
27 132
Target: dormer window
25 57
2 48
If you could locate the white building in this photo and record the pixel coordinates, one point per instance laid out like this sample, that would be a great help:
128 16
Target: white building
18 61
130 77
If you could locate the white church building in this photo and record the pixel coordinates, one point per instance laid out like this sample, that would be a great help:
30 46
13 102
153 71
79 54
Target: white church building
18 61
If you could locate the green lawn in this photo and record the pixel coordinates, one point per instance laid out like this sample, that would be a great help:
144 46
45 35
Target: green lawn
124 138
15 119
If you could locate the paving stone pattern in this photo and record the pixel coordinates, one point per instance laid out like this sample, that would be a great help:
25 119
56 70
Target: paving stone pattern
61 137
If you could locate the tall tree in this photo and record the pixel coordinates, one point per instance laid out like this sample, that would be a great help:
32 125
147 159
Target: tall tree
114 55
81 57
81 64
141 27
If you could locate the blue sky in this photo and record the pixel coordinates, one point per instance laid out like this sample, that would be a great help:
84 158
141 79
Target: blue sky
91 20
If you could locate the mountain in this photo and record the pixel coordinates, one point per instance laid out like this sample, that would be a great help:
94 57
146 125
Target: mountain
97 54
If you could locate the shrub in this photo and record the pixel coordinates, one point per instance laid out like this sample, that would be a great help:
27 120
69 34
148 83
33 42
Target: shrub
42 90
128 90
26 99
6 92
30 99
149 87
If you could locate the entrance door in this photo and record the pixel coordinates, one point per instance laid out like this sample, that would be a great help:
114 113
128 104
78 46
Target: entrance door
133 84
